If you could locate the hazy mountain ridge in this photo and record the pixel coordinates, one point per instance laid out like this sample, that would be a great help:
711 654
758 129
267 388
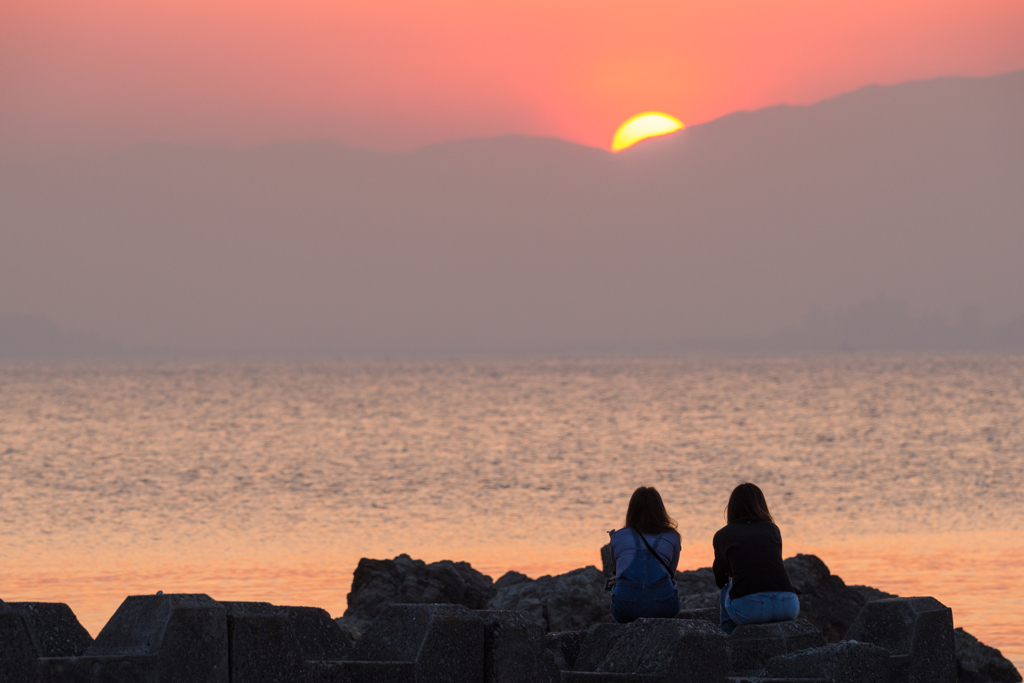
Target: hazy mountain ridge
727 230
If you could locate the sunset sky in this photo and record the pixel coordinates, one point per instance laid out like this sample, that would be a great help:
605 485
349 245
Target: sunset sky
399 74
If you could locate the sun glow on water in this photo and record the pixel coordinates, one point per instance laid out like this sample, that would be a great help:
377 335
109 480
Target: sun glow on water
642 126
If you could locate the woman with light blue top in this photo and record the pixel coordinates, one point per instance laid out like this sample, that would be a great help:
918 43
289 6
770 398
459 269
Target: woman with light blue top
756 588
645 554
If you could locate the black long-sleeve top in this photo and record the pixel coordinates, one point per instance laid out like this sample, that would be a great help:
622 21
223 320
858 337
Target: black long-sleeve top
750 553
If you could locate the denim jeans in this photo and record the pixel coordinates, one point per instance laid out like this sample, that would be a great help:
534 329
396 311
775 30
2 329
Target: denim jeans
644 589
756 608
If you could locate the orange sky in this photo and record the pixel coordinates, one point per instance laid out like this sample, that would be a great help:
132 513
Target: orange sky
396 74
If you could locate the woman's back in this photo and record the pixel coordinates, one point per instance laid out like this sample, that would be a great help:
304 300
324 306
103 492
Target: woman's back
624 548
750 552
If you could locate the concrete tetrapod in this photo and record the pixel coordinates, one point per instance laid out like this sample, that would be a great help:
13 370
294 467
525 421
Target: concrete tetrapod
917 633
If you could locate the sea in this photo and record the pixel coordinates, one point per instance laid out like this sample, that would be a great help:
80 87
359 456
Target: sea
269 480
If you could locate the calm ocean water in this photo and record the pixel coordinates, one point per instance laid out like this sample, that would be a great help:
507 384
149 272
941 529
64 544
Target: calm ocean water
269 480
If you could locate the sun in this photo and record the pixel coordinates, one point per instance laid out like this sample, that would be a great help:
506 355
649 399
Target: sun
646 125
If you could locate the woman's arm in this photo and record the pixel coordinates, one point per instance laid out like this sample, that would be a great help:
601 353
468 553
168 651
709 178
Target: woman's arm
721 565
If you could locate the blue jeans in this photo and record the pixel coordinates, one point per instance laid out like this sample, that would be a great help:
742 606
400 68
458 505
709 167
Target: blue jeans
756 608
644 589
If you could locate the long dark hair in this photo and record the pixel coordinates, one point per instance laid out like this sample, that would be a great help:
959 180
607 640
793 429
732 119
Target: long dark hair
747 504
646 512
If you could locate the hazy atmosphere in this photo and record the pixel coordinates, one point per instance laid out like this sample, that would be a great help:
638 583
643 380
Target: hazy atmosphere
888 218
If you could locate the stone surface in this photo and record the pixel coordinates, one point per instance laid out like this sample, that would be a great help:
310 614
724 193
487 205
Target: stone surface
565 645
403 580
918 634
567 602
825 600
53 628
599 641
441 642
607 565
869 594
319 637
672 650
696 582
175 638
262 644
846 662
514 650
979 663
752 646
606 677
18 660
712 615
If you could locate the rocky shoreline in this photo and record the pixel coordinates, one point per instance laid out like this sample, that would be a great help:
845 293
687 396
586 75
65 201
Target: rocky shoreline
415 622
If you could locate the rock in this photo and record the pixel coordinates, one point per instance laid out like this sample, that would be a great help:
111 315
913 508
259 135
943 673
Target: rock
696 582
753 645
607 566
421 644
701 601
825 600
869 593
565 645
567 602
979 663
53 628
514 650
350 628
510 579
596 646
174 638
664 650
917 633
712 615
403 580
846 662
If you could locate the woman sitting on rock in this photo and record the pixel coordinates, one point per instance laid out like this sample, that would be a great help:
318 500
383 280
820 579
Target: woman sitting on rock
645 554
756 588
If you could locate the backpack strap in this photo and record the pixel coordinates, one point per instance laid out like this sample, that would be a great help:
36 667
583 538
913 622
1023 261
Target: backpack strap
658 557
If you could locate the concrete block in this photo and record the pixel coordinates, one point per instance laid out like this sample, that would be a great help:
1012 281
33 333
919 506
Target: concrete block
597 644
320 638
672 650
153 639
514 649
566 647
53 628
917 633
262 644
846 662
443 642
18 660
751 646
606 677
712 615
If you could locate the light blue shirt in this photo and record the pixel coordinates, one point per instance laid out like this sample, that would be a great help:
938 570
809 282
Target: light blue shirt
666 544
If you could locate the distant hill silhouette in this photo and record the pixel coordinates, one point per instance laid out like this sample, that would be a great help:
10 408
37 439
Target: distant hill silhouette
730 230
30 337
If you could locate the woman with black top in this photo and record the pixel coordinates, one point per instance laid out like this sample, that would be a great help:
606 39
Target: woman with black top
645 554
748 564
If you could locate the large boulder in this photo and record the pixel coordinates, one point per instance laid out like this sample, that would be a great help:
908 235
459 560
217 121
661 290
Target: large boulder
403 580
567 602
825 600
979 663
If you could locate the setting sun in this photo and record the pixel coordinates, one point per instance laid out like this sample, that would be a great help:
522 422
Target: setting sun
646 125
